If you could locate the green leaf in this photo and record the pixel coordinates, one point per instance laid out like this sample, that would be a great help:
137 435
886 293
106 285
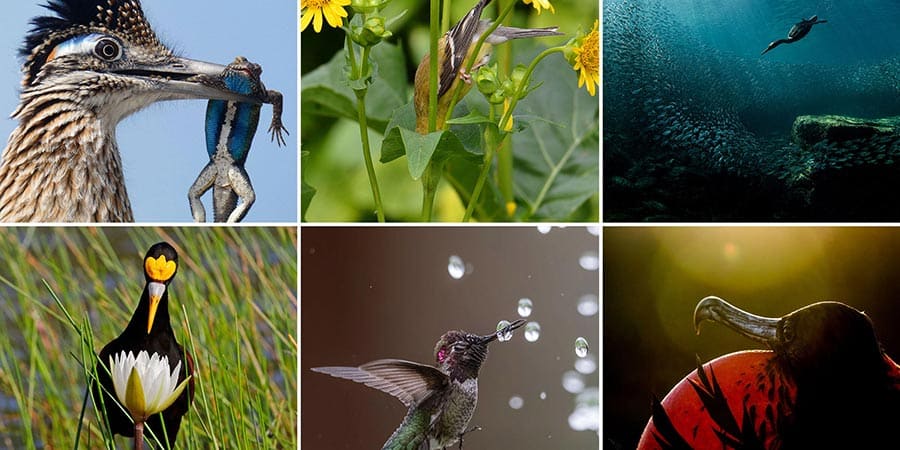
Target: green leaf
473 117
326 91
556 151
419 149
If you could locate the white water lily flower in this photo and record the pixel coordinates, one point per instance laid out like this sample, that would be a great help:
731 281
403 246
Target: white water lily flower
144 384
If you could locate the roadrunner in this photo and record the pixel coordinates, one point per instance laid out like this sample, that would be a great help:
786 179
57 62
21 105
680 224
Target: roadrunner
86 68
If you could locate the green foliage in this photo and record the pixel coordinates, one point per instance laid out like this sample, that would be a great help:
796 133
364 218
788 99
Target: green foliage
552 173
233 306
556 156
325 91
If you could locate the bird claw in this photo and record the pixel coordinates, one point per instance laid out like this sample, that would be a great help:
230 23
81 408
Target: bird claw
465 76
475 428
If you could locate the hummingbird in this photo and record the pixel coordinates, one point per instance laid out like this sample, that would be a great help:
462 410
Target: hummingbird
441 399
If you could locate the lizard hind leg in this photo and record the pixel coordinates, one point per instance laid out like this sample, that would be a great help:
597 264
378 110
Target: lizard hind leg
203 183
240 184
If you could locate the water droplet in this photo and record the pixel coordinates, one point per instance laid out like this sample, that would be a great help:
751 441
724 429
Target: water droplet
586 415
503 337
532 331
516 402
456 267
525 306
581 347
588 305
544 229
572 382
589 261
586 365
543 395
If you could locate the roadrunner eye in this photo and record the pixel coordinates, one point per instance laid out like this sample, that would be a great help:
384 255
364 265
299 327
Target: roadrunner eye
108 49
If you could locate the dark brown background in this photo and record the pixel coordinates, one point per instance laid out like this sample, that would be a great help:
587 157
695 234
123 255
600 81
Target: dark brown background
370 293
654 277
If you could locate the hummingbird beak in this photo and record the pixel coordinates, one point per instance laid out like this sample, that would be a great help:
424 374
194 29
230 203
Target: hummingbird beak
156 291
490 337
758 328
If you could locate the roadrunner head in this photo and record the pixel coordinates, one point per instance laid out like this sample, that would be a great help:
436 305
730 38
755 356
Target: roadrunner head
86 67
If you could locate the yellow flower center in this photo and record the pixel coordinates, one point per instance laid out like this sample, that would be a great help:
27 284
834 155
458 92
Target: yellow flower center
315 4
159 269
589 58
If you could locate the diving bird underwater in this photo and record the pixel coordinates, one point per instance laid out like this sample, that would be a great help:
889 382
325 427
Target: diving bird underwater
86 67
441 400
824 382
797 32
148 330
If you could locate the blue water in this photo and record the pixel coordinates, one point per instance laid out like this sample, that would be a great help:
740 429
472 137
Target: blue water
858 31
685 80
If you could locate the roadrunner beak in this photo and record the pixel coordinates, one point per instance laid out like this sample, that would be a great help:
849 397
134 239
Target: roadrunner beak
186 78
156 292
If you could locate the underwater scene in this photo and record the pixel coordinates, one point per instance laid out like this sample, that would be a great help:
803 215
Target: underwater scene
720 110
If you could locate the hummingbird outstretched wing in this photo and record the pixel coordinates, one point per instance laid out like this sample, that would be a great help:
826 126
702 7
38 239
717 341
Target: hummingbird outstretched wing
408 381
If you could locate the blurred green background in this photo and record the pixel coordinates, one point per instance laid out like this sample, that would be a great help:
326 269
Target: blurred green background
654 277
333 163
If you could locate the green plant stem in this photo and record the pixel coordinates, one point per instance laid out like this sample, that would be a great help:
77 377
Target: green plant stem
473 56
526 79
445 17
430 180
367 153
361 70
434 27
505 173
504 153
490 145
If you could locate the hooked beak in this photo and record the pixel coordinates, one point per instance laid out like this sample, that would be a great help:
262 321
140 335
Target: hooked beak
156 291
184 78
758 328
490 337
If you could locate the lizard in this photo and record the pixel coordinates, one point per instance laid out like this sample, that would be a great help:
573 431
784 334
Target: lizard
230 127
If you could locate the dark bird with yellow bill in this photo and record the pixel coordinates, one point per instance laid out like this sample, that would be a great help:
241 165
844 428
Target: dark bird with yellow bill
455 47
149 330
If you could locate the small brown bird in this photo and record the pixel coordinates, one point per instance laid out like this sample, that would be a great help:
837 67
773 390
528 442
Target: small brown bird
454 49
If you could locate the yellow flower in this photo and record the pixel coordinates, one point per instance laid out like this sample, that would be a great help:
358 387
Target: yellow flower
538 4
313 10
587 60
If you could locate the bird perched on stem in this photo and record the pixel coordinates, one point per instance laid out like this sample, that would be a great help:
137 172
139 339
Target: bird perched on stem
455 47
149 330
86 68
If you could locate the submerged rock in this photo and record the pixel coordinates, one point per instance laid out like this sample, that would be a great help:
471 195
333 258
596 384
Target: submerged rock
811 130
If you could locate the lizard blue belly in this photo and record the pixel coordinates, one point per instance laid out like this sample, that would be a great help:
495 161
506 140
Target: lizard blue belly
231 126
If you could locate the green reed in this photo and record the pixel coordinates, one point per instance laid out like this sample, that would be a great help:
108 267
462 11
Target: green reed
233 305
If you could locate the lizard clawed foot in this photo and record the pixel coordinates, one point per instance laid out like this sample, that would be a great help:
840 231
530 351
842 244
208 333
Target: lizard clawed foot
277 132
